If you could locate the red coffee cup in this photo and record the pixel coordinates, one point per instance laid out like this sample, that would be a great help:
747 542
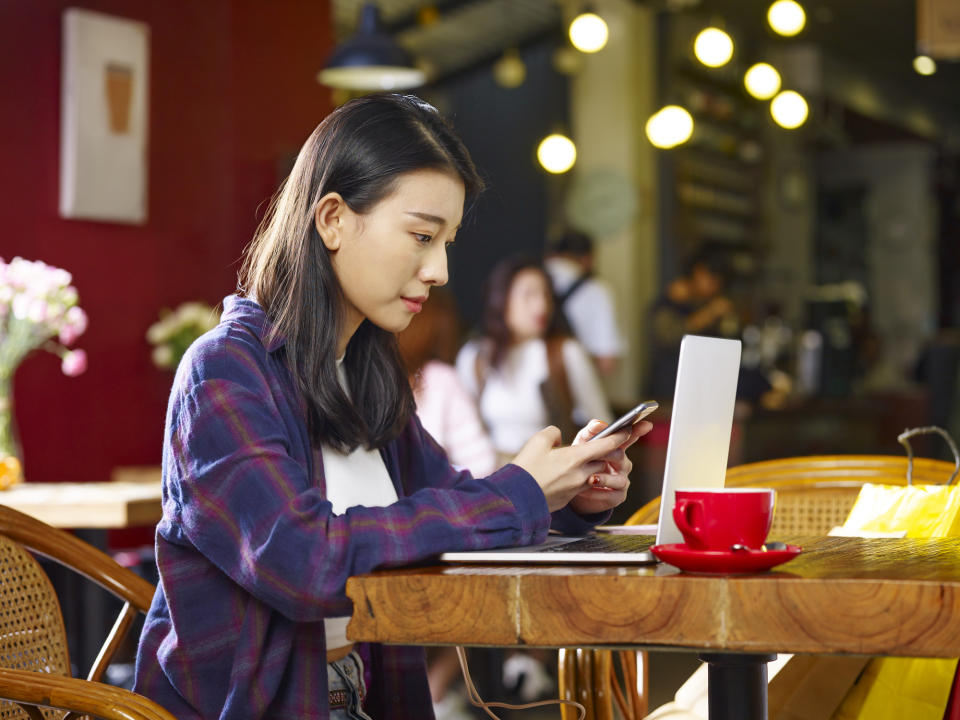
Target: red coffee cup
717 518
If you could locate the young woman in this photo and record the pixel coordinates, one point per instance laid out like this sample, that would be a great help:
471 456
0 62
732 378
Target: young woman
292 458
524 372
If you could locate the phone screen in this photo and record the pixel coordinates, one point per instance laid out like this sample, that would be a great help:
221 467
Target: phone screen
627 419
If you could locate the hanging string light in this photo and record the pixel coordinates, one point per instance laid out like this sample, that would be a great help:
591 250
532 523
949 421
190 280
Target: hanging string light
557 153
510 71
789 109
670 126
762 81
924 65
713 47
589 32
786 17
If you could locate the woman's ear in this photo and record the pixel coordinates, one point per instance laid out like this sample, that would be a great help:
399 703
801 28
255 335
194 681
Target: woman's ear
328 217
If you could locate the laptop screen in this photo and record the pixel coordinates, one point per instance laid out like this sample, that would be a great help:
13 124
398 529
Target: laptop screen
701 422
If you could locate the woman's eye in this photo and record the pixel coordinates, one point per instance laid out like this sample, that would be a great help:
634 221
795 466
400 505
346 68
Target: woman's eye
423 239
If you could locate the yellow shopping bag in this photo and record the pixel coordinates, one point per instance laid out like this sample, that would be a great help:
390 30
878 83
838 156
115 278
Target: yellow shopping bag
899 688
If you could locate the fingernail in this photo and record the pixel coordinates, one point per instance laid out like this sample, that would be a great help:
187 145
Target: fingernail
594 479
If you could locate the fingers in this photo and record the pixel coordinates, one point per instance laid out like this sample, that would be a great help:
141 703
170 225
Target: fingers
598 499
592 428
636 432
547 438
608 481
596 449
588 431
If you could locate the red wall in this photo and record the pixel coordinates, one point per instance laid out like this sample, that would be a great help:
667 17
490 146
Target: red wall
232 96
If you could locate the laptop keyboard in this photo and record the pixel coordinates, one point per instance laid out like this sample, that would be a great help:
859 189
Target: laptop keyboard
605 543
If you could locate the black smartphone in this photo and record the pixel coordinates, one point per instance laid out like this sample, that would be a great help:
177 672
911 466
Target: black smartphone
626 420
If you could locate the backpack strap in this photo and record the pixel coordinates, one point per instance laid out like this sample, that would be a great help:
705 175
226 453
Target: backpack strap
576 285
556 389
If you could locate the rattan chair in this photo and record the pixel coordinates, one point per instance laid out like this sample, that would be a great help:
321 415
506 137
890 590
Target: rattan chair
814 494
35 677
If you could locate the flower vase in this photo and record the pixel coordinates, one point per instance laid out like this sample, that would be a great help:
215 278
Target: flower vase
11 469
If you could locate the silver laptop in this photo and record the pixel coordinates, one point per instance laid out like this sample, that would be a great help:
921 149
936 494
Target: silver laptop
697 449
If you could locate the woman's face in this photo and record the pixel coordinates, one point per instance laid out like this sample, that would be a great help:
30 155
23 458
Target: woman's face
529 305
388 259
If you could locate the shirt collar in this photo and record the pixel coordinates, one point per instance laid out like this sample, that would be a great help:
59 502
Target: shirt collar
248 313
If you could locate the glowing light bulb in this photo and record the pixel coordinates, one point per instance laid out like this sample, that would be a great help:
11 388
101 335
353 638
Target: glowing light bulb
789 109
786 17
713 47
762 81
670 126
589 32
510 71
924 65
557 153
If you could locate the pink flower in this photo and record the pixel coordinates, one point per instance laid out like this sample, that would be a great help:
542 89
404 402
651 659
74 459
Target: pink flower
74 363
75 323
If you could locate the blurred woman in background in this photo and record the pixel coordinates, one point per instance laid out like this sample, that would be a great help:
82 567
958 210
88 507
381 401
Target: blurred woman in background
524 372
446 408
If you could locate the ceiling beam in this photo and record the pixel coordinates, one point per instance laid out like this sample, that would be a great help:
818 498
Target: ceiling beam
411 19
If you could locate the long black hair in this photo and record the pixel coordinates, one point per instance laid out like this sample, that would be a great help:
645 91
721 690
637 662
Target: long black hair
360 151
496 294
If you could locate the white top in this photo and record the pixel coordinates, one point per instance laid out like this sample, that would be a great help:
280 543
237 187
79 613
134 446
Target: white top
590 309
449 413
357 478
512 405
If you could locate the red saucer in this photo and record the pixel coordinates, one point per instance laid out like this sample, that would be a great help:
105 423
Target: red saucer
723 561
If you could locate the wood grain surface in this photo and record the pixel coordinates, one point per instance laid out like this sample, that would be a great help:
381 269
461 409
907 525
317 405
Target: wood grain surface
117 504
841 595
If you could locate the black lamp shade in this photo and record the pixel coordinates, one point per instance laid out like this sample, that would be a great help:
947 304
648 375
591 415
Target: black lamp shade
370 60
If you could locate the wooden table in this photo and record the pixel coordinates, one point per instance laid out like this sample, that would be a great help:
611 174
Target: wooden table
841 596
131 500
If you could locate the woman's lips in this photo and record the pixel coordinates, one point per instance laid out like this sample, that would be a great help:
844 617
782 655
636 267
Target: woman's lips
414 305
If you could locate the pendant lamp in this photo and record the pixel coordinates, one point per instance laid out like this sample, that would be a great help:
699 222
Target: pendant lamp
370 60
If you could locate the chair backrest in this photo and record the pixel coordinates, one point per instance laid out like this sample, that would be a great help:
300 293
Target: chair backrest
35 681
21 532
816 493
32 635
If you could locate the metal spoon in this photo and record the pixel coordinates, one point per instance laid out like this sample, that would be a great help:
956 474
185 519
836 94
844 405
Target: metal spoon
737 547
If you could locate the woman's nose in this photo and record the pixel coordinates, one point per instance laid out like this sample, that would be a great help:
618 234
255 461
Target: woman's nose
434 269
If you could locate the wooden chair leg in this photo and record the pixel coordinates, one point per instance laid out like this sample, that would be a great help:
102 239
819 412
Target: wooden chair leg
584 678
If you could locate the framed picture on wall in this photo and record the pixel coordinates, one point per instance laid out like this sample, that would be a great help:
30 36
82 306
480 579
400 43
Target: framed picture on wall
103 128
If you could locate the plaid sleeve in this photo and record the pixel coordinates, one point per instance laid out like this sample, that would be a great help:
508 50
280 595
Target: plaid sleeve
254 512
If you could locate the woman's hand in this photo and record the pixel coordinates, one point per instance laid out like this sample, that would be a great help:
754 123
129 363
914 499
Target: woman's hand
564 473
607 488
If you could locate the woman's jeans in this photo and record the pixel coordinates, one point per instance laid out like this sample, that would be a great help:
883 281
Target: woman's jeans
347 689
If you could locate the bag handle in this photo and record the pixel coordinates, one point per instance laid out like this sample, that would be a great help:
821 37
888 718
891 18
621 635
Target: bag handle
904 439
